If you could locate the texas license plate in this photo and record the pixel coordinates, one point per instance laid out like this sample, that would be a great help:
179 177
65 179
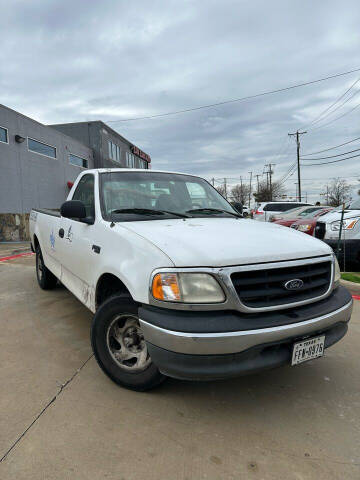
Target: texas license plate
308 349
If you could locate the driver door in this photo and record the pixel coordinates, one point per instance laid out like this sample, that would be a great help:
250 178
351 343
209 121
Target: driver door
78 256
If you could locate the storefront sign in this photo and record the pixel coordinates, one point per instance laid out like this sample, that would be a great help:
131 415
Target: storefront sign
140 153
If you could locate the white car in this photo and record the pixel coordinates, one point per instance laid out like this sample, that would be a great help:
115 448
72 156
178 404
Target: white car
186 291
328 229
265 210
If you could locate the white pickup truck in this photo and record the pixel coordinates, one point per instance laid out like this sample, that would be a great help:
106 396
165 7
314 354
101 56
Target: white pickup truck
181 285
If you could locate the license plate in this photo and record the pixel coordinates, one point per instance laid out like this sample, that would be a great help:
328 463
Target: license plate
308 350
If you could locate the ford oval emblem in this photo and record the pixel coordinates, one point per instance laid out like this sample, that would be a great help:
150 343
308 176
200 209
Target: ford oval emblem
294 284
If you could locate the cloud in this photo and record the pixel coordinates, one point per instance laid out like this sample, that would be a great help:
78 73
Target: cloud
73 61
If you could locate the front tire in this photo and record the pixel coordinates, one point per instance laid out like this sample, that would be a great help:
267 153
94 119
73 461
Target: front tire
119 346
46 279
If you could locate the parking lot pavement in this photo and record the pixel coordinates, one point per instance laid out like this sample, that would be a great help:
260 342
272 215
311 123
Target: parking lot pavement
294 423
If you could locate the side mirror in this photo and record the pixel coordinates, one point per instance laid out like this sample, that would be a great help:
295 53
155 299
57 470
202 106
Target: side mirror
73 209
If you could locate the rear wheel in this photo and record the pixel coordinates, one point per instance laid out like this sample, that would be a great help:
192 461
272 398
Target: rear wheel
120 348
45 278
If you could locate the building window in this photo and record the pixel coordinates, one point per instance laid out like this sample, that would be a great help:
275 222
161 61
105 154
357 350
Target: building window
4 138
133 161
78 161
41 148
114 152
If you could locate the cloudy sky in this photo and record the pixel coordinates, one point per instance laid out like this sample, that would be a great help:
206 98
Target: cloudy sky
66 61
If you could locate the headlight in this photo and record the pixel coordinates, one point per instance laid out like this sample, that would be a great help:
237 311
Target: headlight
337 274
187 288
348 224
304 228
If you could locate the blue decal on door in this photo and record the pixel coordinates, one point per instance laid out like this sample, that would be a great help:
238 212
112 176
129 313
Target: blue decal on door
52 240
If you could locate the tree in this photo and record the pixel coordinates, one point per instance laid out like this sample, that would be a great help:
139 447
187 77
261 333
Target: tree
222 190
240 193
338 192
264 193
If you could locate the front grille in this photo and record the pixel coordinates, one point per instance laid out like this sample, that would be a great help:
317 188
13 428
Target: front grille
320 230
266 288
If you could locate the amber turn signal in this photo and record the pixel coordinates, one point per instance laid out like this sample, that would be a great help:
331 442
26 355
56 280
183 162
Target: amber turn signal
165 287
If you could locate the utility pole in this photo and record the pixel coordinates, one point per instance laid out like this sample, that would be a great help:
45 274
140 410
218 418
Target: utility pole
242 191
257 183
213 181
225 188
297 133
250 189
326 194
269 173
270 179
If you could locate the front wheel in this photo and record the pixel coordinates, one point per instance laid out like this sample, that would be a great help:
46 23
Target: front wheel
119 346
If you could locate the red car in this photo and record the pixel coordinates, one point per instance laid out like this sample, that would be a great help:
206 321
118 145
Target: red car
308 223
288 222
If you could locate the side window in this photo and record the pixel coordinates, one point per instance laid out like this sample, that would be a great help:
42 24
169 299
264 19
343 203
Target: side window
85 192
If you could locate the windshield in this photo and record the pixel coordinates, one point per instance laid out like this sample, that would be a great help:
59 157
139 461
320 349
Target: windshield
308 211
292 210
317 213
129 196
355 205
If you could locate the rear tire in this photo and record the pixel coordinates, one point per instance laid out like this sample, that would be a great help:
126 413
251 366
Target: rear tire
46 279
119 346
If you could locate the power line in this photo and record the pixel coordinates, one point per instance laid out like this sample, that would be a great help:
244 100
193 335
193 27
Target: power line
321 116
269 92
330 156
289 175
287 172
337 118
339 106
331 148
333 161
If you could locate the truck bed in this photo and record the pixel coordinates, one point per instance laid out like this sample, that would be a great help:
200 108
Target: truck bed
55 212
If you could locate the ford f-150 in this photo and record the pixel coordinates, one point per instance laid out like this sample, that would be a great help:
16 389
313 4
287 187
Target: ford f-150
181 285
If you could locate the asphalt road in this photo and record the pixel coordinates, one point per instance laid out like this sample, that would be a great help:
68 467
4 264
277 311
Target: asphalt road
292 423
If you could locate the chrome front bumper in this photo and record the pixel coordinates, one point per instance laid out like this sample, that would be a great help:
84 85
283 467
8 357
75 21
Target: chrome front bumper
235 342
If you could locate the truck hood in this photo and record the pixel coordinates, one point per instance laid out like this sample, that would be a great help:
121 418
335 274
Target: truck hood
220 242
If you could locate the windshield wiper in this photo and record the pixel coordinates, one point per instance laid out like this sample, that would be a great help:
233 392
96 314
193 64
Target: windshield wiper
214 210
149 211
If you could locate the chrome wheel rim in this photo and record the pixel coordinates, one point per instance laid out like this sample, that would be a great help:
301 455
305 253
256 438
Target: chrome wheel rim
126 343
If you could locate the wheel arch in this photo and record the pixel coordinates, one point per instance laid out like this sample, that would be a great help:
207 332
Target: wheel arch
107 286
36 242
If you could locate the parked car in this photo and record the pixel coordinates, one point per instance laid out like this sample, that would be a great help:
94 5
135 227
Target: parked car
328 228
240 208
302 212
307 224
295 213
183 291
265 210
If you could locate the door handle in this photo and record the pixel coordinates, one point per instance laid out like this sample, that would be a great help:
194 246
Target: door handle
61 233
96 248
